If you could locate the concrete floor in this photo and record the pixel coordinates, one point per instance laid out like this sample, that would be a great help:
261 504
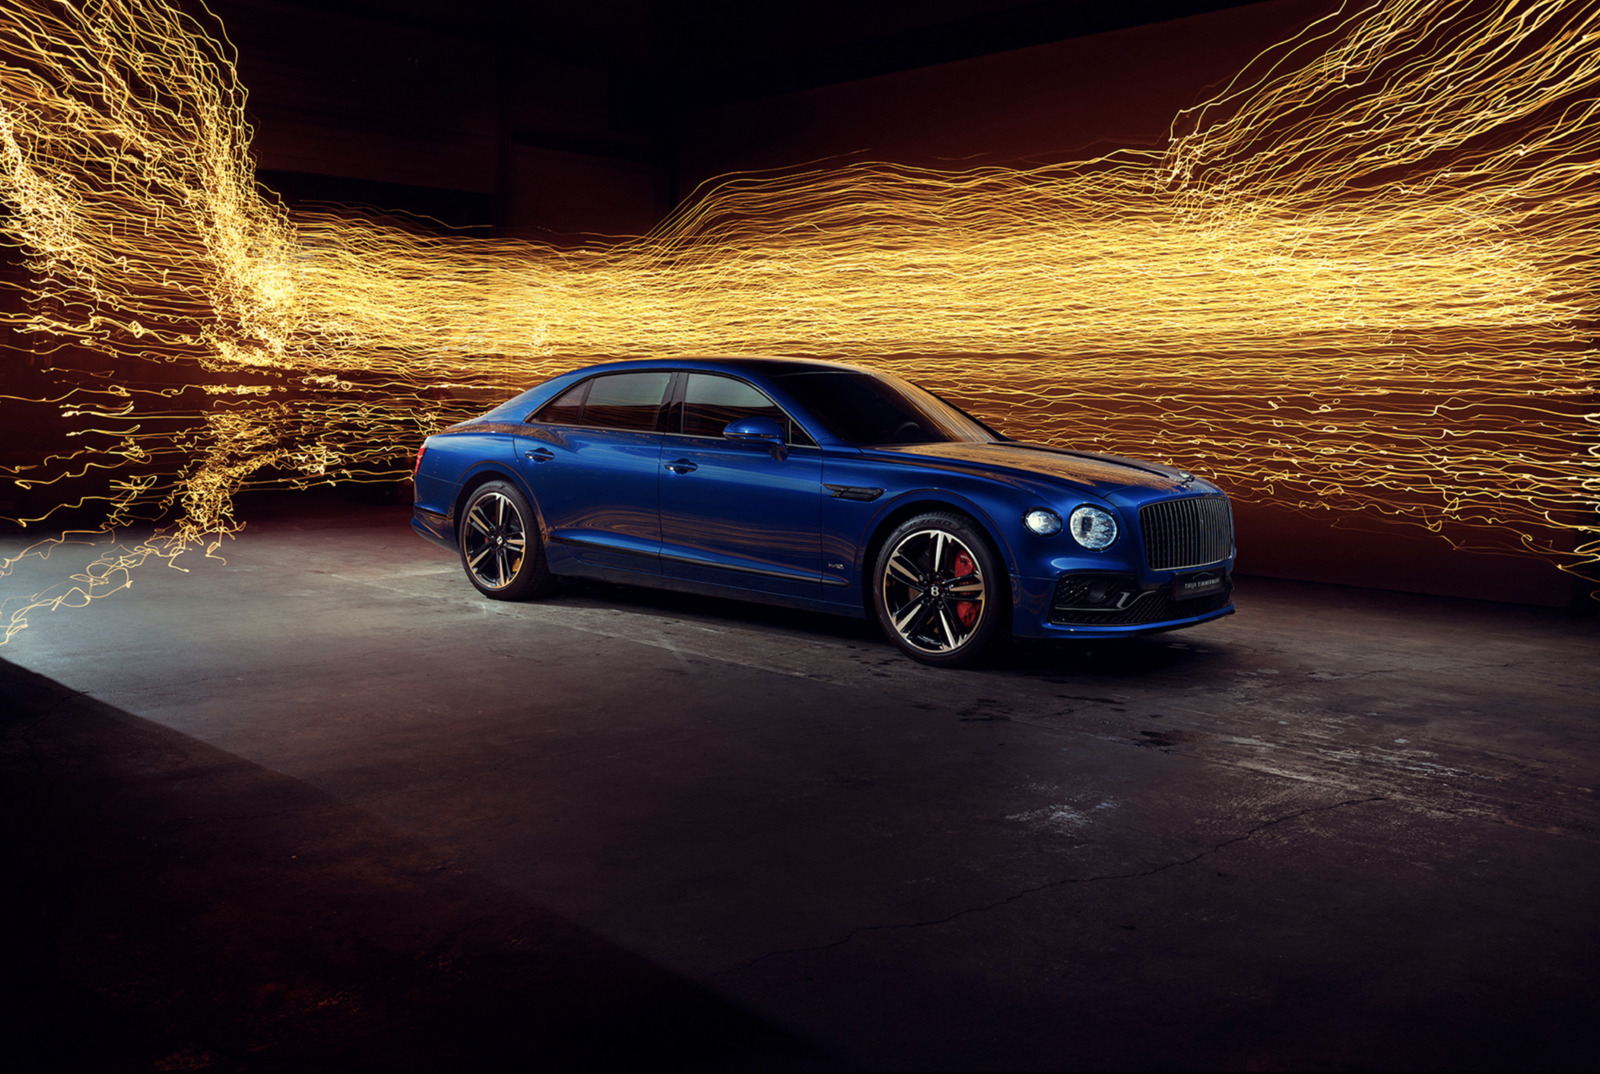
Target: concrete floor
322 806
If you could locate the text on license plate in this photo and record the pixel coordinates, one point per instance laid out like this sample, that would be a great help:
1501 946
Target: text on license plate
1200 584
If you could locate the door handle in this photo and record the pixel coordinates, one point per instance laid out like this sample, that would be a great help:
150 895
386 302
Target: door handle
540 454
682 466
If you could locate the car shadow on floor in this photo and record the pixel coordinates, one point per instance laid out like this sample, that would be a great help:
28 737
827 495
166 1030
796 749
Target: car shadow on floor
1135 657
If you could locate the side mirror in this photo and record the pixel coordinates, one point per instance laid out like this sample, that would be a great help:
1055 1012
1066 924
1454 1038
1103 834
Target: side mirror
759 431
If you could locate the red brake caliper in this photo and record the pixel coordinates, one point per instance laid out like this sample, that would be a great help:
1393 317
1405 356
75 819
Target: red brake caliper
966 610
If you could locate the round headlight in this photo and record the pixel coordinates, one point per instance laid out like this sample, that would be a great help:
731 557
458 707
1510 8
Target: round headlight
1042 522
1092 527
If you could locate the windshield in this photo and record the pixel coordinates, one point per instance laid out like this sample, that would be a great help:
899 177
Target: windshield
862 408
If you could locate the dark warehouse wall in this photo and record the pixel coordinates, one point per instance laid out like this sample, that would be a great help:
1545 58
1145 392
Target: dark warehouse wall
1072 100
555 121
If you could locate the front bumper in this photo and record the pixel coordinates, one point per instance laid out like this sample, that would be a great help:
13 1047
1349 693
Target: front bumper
1112 603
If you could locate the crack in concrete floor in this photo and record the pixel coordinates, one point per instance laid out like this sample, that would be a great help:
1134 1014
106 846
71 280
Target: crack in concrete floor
1049 885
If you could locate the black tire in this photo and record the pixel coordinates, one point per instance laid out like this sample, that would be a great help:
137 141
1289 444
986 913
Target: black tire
500 546
938 590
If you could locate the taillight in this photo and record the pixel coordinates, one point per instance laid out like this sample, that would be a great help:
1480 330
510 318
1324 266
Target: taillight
417 466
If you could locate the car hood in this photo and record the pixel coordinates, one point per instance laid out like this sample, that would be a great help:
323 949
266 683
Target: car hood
1092 472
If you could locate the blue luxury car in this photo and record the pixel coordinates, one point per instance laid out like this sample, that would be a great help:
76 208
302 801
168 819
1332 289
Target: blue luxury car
821 486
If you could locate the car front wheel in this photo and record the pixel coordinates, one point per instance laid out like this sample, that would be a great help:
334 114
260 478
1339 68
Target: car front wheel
500 546
936 588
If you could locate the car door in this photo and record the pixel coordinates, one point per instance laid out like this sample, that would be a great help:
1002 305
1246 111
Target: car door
745 515
592 458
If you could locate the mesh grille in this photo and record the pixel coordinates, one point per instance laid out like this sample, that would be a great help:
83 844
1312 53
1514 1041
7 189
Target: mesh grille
1179 534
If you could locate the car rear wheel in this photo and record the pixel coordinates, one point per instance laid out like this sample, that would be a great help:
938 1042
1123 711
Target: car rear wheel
500 546
936 589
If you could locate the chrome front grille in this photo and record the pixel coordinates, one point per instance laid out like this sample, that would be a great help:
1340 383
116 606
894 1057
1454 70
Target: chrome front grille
1179 534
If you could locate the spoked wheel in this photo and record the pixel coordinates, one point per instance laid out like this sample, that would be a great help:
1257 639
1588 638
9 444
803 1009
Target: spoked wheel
937 590
500 546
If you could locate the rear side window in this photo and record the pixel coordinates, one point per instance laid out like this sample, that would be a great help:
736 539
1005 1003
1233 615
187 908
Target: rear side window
613 401
567 408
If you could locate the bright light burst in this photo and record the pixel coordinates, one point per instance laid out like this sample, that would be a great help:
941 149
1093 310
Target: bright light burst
1360 281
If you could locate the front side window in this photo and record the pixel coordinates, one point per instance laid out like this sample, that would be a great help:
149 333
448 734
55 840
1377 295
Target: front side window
710 402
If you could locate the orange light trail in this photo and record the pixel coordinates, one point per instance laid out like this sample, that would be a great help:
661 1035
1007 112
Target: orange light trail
1357 281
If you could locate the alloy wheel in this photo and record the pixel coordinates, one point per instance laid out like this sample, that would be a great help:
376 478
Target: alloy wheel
496 540
934 592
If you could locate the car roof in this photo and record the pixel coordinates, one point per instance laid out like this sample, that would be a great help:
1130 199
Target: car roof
759 365
758 369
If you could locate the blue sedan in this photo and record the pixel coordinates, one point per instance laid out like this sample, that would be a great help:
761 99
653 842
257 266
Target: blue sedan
821 486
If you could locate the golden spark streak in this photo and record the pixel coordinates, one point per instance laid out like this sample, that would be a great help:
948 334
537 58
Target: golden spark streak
1358 281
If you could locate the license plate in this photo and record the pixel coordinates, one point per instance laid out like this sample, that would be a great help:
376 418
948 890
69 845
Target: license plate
1201 584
